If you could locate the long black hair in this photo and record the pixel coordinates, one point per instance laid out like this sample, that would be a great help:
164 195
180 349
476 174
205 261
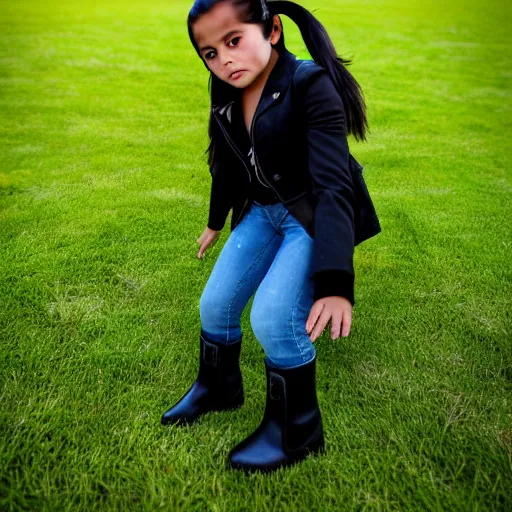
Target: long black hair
318 44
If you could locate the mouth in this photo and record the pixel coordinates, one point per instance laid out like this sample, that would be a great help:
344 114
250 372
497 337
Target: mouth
236 74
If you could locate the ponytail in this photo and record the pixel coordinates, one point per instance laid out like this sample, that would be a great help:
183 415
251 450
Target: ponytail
322 51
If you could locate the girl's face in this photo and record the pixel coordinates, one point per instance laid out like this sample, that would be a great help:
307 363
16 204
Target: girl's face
234 51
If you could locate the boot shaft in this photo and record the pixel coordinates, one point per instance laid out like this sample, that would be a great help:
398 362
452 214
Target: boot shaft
296 384
218 362
292 402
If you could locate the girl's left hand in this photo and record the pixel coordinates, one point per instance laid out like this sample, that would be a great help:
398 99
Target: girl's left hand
337 308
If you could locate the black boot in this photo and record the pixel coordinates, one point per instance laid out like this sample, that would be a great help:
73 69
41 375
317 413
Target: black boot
218 386
291 426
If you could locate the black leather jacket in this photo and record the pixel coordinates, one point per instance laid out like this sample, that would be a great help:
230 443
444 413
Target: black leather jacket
299 140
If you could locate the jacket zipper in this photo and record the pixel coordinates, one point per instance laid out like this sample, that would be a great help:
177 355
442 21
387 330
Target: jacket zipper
255 169
234 148
256 157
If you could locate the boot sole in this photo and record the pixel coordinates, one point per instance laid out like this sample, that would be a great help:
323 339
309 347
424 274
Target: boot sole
313 452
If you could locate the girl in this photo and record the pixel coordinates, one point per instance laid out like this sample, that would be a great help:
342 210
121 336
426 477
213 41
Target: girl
279 159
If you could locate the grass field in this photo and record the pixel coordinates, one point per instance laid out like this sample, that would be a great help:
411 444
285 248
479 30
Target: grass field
103 193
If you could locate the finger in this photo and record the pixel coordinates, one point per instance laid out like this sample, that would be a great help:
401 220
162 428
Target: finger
347 322
201 250
321 323
313 315
336 322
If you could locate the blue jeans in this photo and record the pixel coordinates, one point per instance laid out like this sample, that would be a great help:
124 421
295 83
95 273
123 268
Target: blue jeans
270 253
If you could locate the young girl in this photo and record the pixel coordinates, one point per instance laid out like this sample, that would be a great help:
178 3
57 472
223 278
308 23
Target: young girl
279 159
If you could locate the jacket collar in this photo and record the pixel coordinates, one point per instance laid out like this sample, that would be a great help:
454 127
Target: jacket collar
276 83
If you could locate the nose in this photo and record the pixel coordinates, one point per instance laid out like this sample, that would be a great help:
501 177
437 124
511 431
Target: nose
224 58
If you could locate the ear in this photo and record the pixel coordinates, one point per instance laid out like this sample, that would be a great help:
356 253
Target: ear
277 29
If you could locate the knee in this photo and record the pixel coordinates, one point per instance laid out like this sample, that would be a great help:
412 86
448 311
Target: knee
262 320
208 307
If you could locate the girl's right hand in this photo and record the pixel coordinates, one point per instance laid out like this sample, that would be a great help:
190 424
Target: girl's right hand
208 237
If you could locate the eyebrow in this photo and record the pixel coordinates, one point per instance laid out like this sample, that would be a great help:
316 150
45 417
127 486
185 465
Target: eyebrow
230 33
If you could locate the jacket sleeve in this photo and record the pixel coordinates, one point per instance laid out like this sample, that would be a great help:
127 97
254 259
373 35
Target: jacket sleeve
220 197
328 153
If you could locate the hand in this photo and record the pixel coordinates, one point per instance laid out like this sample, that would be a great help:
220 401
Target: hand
337 308
208 237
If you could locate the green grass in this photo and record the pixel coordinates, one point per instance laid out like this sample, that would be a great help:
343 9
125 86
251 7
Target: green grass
103 193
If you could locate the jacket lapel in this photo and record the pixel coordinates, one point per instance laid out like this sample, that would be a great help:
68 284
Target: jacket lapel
278 80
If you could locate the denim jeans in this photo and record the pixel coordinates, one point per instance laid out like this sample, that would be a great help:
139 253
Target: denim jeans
270 253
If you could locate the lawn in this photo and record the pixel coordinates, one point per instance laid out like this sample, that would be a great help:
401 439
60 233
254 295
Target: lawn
104 191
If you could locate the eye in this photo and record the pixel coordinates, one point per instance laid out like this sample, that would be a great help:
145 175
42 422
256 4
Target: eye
209 55
234 39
